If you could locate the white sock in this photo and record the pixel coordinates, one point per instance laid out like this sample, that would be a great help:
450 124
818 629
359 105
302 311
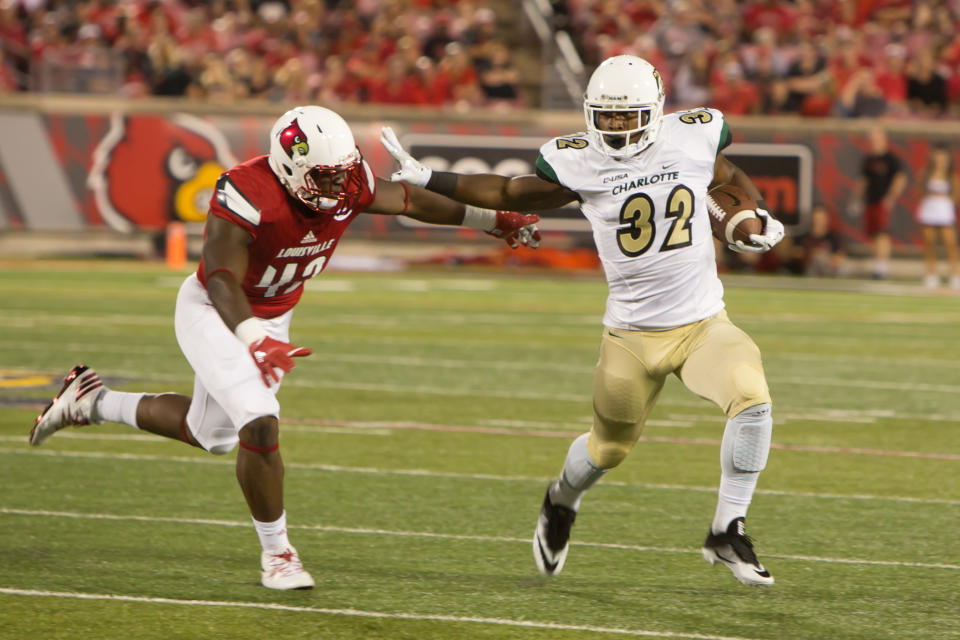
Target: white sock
737 487
273 535
579 473
118 406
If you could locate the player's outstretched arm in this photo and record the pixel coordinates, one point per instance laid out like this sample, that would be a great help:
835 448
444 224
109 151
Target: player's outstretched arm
725 172
225 259
398 198
521 193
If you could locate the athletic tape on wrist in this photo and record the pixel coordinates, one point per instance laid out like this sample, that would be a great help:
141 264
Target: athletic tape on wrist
477 218
250 331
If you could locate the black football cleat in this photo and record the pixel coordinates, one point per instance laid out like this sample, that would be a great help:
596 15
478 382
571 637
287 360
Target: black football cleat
735 550
551 539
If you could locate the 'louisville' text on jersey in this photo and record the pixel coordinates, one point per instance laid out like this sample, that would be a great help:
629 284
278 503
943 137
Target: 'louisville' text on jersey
299 252
646 180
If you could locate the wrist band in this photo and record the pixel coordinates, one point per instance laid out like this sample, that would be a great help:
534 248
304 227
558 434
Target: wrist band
442 182
477 218
250 331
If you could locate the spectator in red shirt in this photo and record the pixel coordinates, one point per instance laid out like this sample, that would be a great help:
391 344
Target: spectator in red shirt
434 82
891 78
394 84
338 84
772 14
732 92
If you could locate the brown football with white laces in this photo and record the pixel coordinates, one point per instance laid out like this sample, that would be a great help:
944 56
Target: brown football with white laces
733 214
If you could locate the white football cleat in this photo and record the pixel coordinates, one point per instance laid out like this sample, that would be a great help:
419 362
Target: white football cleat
72 406
735 550
284 571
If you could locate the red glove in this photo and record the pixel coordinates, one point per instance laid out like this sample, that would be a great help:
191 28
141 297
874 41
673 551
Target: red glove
517 228
270 354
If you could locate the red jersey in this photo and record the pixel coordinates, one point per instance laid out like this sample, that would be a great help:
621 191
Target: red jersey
290 244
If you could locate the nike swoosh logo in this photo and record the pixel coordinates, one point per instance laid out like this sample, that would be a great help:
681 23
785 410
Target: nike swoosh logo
668 166
719 555
612 333
549 566
736 200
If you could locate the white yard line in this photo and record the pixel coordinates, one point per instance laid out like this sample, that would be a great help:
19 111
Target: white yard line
453 536
413 361
357 613
100 455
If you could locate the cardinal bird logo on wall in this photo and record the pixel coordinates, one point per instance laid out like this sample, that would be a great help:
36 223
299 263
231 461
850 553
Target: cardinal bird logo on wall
151 170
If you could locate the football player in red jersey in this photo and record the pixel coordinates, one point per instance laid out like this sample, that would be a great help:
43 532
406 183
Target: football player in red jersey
274 222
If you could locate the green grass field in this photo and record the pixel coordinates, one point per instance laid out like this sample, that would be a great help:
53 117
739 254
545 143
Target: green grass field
418 440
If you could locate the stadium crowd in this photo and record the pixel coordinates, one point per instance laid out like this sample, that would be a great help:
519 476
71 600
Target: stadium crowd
426 52
843 58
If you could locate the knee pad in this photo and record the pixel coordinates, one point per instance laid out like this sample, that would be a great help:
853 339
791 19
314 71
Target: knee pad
750 433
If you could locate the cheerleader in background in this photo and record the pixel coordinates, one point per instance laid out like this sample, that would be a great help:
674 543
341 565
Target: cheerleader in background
937 215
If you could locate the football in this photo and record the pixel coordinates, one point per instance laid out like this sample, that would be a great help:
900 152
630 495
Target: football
732 214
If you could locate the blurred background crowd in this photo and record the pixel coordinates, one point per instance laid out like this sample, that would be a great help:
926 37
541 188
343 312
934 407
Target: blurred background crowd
845 58
299 51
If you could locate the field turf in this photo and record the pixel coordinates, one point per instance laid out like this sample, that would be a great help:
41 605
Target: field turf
418 441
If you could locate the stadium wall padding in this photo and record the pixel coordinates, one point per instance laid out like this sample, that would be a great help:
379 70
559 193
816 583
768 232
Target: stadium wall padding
64 166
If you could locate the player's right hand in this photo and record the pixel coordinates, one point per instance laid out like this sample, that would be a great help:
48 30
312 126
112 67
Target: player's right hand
411 171
270 354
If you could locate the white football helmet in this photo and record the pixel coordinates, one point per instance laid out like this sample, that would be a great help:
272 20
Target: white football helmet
312 152
628 85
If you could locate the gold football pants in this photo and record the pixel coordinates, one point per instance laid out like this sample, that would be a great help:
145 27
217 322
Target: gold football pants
713 358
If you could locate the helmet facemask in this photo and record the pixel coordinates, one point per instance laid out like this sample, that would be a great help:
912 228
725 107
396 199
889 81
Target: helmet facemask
330 189
622 131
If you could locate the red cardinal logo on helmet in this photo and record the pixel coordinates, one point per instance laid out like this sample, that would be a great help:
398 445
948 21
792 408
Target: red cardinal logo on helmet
151 170
294 139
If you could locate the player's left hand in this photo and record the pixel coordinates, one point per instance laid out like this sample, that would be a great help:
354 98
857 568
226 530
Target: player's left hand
762 242
517 229
411 170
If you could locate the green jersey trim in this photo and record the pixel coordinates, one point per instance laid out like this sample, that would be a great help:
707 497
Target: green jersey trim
725 138
545 170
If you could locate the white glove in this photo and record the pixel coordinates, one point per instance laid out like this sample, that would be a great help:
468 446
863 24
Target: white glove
411 171
761 242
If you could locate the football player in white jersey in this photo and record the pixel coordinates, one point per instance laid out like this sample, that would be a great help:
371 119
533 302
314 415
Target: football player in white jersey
641 178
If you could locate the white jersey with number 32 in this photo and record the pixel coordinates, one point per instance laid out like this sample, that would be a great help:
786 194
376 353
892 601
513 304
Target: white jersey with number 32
649 219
